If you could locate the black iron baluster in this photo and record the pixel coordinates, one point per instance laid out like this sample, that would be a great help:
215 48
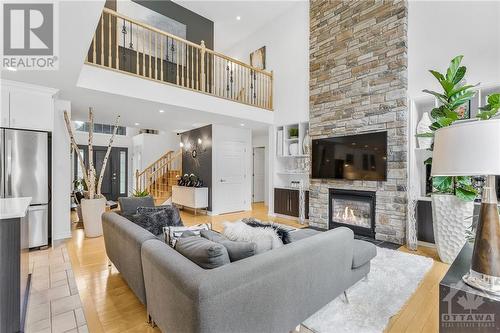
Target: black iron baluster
124 34
255 85
227 80
232 81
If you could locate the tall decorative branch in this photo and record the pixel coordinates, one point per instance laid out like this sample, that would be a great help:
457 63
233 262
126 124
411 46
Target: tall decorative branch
92 172
75 147
105 161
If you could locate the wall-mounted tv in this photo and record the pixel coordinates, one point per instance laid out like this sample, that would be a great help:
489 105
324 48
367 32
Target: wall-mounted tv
353 157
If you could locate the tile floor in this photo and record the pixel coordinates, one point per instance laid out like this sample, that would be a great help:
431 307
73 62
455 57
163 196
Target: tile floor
54 304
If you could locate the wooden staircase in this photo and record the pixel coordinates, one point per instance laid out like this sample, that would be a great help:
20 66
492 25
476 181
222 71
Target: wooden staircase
159 177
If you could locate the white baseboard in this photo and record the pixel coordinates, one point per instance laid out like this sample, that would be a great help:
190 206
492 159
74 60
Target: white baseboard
61 236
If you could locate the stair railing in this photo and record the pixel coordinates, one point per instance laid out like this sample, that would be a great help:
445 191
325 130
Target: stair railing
158 177
126 45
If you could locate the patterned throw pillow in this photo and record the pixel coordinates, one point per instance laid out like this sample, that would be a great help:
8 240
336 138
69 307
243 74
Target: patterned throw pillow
172 234
169 214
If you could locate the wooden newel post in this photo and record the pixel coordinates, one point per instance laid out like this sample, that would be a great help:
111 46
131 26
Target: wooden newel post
202 65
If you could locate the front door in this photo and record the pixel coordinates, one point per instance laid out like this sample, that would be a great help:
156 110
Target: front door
114 182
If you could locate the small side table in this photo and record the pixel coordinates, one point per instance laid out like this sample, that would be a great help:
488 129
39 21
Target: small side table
463 309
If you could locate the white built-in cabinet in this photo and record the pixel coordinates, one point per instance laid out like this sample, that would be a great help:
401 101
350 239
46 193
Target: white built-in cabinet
27 106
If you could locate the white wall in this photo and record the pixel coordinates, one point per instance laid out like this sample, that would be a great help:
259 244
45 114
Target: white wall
287 53
440 30
262 140
149 147
61 174
223 134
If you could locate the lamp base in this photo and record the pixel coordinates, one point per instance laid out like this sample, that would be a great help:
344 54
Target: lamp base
487 283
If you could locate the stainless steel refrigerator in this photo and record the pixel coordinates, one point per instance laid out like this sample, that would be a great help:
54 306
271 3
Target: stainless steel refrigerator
24 172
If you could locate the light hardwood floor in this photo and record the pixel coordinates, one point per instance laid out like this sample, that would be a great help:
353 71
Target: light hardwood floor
110 306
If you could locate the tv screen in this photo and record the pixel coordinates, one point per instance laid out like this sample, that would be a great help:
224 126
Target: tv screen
354 157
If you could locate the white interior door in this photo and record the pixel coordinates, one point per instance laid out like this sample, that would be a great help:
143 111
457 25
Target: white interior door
230 164
259 166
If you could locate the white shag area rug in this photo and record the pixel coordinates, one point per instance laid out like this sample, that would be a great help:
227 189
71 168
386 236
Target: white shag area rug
393 278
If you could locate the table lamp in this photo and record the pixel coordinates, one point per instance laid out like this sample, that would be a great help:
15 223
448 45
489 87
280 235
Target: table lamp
473 149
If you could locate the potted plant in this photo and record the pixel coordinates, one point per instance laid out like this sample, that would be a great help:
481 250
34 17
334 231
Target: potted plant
293 132
453 197
93 205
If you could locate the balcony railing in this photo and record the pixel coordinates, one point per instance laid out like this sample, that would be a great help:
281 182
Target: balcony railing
126 45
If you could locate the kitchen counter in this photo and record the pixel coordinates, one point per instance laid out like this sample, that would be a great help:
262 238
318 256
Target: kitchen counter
11 208
14 261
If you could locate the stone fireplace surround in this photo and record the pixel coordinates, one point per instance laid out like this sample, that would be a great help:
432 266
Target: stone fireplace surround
358 83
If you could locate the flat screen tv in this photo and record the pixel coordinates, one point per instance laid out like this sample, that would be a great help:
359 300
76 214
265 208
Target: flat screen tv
353 157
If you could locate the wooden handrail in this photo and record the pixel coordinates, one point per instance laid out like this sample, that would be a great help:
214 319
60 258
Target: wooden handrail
157 178
169 161
158 160
126 45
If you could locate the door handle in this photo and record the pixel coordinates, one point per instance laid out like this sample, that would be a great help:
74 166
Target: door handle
222 180
9 168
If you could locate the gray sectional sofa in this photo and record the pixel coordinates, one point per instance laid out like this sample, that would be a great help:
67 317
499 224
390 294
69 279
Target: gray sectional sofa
270 292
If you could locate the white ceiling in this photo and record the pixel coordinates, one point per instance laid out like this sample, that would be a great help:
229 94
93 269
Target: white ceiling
227 29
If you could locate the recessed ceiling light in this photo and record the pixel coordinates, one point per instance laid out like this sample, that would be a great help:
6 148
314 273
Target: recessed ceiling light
238 18
161 111
136 124
12 69
242 124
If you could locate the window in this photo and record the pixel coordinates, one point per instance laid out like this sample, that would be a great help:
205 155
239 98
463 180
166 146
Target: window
123 171
83 126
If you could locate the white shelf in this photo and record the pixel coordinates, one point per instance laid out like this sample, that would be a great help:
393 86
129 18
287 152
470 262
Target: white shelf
305 173
298 156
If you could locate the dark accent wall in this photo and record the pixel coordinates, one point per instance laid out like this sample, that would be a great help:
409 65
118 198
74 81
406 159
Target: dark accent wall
201 165
198 28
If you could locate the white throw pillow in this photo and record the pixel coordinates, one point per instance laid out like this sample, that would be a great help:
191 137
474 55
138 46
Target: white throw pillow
265 238
173 233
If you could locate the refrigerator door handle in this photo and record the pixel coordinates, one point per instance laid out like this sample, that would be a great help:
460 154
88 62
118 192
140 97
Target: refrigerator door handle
8 169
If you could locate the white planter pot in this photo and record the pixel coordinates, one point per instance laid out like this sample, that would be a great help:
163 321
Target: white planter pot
293 149
451 218
92 210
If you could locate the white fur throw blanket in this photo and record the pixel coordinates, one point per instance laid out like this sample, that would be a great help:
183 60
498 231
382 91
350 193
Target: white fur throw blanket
265 238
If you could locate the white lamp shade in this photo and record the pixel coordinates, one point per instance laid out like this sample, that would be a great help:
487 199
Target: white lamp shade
467 149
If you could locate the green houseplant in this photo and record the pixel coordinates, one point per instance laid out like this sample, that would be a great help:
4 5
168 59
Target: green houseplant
293 132
452 197
454 94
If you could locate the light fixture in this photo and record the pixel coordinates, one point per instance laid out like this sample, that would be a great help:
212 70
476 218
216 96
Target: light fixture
136 124
12 69
181 144
199 141
161 111
238 18
242 124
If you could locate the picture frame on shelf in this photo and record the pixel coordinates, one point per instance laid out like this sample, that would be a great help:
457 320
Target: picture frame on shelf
464 110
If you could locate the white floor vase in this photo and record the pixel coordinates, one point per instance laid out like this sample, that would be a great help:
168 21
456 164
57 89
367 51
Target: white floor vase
92 209
451 218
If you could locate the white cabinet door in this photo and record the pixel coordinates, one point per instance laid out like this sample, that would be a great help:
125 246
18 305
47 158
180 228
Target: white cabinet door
4 111
31 110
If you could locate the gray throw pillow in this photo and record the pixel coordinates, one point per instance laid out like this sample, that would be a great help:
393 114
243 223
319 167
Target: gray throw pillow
129 205
236 250
203 252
